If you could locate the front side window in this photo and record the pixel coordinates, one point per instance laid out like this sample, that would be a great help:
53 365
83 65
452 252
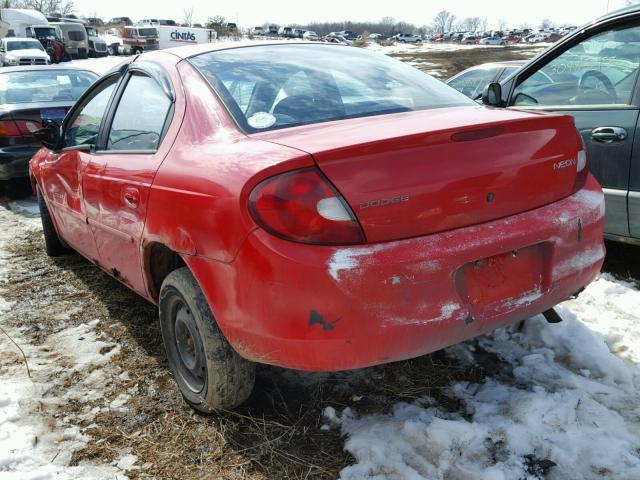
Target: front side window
601 70
84 126
140 116
278 86
472 83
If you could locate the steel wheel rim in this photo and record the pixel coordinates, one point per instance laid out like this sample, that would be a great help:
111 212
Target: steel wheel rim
189 348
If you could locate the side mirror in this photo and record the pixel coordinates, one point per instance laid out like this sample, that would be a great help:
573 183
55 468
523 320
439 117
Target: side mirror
492 95
49 134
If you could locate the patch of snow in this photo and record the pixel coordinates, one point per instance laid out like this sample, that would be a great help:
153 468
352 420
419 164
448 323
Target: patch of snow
25 207
569 401
126 462
612 308
34 445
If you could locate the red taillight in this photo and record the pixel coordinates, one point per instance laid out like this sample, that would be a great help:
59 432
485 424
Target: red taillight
8 128
18 128
304 207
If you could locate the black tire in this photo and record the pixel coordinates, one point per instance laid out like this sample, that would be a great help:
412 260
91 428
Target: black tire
54 245
210 374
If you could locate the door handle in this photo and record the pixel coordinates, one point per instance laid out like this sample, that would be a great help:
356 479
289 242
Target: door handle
131 197
609 134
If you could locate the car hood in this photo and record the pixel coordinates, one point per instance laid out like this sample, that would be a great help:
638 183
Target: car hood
28 52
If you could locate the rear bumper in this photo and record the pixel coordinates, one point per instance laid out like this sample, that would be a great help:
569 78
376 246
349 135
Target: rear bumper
335 308
14 161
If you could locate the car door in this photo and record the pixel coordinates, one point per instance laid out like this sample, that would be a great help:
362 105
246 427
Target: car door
119 176
63 172
594 79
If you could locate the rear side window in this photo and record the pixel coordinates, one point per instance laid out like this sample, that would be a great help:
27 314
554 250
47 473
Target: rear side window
279 86
140 116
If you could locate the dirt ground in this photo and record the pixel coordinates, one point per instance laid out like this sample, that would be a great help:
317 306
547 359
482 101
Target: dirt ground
444 64
276 434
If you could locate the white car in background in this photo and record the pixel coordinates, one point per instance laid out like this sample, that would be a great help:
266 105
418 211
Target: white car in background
492 41
311 36
407 38
22 51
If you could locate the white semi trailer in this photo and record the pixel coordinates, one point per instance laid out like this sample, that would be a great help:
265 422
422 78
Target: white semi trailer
180 36
19 20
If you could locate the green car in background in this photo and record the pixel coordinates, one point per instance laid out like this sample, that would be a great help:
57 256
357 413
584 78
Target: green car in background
592 74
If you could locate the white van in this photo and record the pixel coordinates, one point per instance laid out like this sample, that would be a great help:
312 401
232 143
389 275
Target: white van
75 39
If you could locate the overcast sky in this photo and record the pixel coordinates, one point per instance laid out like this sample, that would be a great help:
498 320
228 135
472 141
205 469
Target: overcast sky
256 12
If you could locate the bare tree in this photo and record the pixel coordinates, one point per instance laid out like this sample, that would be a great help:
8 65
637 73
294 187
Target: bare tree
387 24
502 23
546 23
442 21
187 18
47 7
471 24
452 19
484 23
218 23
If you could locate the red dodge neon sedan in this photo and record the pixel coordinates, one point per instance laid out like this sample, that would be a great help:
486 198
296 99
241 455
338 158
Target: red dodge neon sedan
314 206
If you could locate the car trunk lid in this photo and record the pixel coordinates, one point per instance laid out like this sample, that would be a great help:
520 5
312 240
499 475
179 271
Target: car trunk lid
417 173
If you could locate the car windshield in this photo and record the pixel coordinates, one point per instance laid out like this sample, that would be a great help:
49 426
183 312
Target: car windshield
92 32
76 35
271 87
23 45
147 32
45 32
41 86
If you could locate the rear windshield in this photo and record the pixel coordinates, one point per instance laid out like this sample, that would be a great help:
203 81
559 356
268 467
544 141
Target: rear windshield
278 86
23 45
41 86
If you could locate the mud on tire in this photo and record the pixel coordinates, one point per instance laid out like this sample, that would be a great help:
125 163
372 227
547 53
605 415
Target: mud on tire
209 373
54 245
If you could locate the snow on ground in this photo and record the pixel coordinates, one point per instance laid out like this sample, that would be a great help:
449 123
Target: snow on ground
565 405
32 444
412 48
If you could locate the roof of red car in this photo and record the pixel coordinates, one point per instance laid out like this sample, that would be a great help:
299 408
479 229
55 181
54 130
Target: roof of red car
192 50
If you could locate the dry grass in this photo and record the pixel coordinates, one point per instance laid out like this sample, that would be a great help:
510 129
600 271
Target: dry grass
275 435
452 62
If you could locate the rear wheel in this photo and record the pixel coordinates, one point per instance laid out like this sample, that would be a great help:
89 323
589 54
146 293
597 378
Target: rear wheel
209 373
54 245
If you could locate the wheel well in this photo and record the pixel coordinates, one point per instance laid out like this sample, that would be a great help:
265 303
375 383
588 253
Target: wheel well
160 261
